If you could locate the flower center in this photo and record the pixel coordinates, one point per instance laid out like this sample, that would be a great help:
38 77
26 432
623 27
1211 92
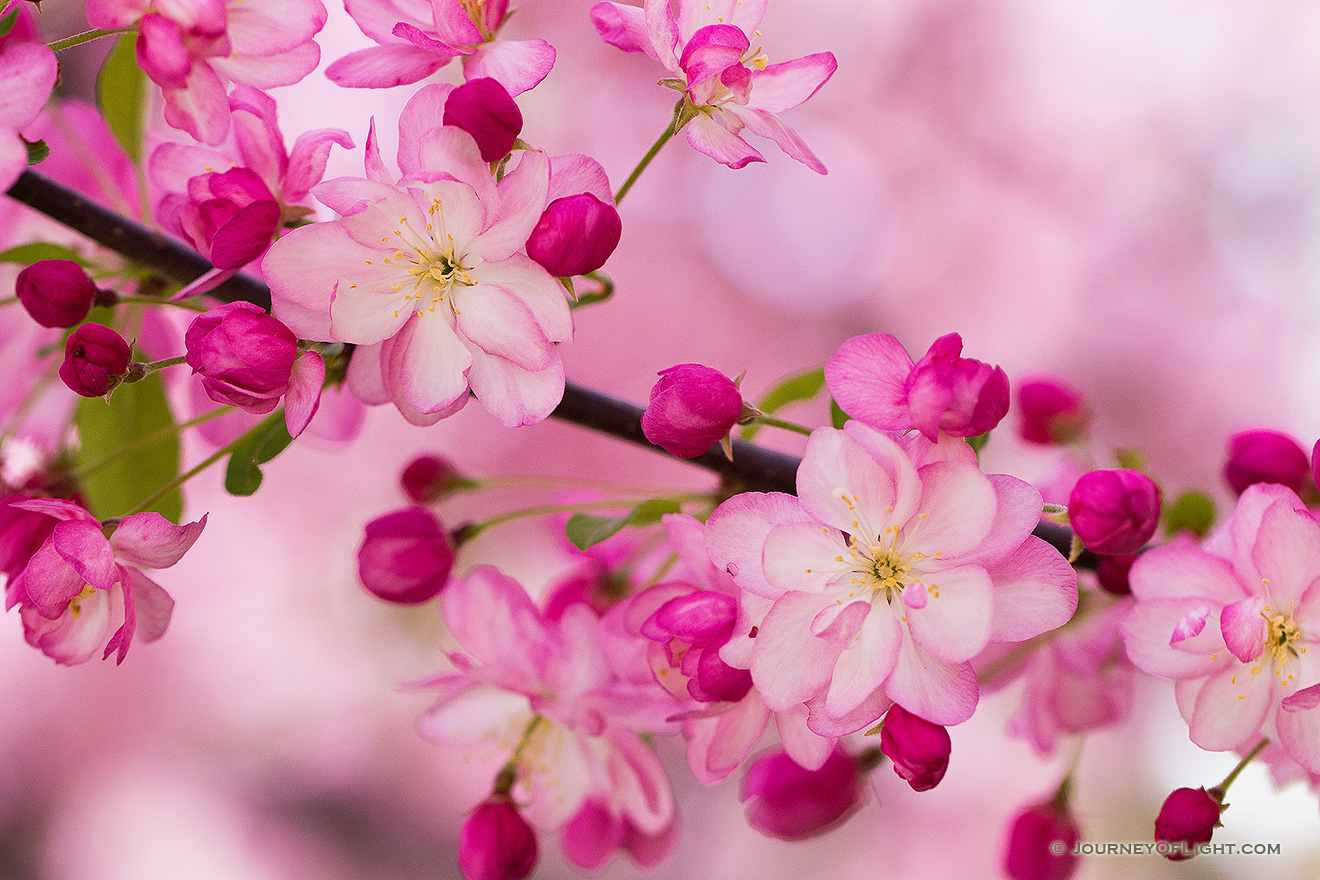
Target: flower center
1281 638
75 608
428 263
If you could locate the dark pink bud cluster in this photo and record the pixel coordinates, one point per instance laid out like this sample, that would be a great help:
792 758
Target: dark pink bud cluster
575 235
483 108
96 359
1041 841
244 356
229 216
1188 818
1052 412
496 843
405 556
785 800
1114 511
692 408
1265 456
56 293
919 749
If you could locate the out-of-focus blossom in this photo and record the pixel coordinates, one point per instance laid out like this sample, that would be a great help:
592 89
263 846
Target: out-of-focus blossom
56 293
483 108
95 360
1231 622
429 478
1112 573
1052 412
1114 512
406 556
887 574
194 49
919 749
417 38
1264 456
81 592
428 279
785 800
496 843
730 86
692 408
22 532
1041 841
580 227
595 832
27 75
874 380
1187 818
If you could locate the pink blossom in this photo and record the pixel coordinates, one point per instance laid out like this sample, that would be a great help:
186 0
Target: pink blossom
1041 841
27 75
428 279
1232 622
1188 817
417 38
1114 512
56 293
731 87
1052 412
193 49
96 360
887 574
595 832
496 843
580 226
80 591
483 108
405 556
874 380
1264 456
918 749
692 408
429 478
785 800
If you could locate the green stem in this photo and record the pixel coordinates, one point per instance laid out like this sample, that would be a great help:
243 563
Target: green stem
86 37
8 301
508 774
1222 787
146 368
183 478
147 440
536 481
669 132
773 422
471 531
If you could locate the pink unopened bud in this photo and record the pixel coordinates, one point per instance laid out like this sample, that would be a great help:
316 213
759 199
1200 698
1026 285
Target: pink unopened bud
496 843
783 799
483 108
430 478
918 748
244 356
1112 572
960 396
1265 457
95 360
575 235
1114 512
56 293
1052 412
1188 818
405 557
1041 841
692 408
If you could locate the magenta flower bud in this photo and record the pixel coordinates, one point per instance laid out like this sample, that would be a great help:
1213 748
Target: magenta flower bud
692 408
496 843
1265 456
962 397
95 360
1041 842
575 235
1052 412
483 108
430 478
919 749
56 293
244 356
405 557
1187 819
1112 572
784 800
1114 512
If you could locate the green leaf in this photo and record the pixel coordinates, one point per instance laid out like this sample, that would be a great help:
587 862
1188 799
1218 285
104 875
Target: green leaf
586 530
978 442
799 386
135 409
121 95
7 22
1192 511
37 151
261 444
27 254
1131 459
838 418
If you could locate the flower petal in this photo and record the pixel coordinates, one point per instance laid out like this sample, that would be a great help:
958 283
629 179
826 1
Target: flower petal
941 693
426 363
513 395
149 540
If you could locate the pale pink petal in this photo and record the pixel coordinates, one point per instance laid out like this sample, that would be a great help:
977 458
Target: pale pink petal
365 379
1018 508
377 18
1192 625
1286 553
13 158
736 533
1147 631
868 378
1238 540
426 363
541 293
864 715
640 783
663 29
1180 569
303 269
161 53
513 395
718 745
1035 591
384 67
808 748
308 158
202 108
941 693
149 540
452 24
841 620
115 14
498 322
843 486
957 509
265 29
623 27
752 609
424 111
304 394
745 14
351 195
522 198
710 137
865 664
575 173
451 150
48 581
1231 708
153 606
804 556
518 65
1243 628
57 508
256 130
1300 701
783 86
789 664
270 71
475 717
1299 733
84 547
955 624
497 624
687 538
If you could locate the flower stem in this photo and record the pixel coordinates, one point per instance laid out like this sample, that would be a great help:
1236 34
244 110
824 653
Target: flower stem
773 422
536 481
8 301
474 529
508 774
650 154
185 477
86 37
1222 787
147 440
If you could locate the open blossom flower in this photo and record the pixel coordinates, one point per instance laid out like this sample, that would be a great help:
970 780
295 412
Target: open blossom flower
707 47
874 380
427 277
27 75
418 37
81 593
887 574
1235 623
195 48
